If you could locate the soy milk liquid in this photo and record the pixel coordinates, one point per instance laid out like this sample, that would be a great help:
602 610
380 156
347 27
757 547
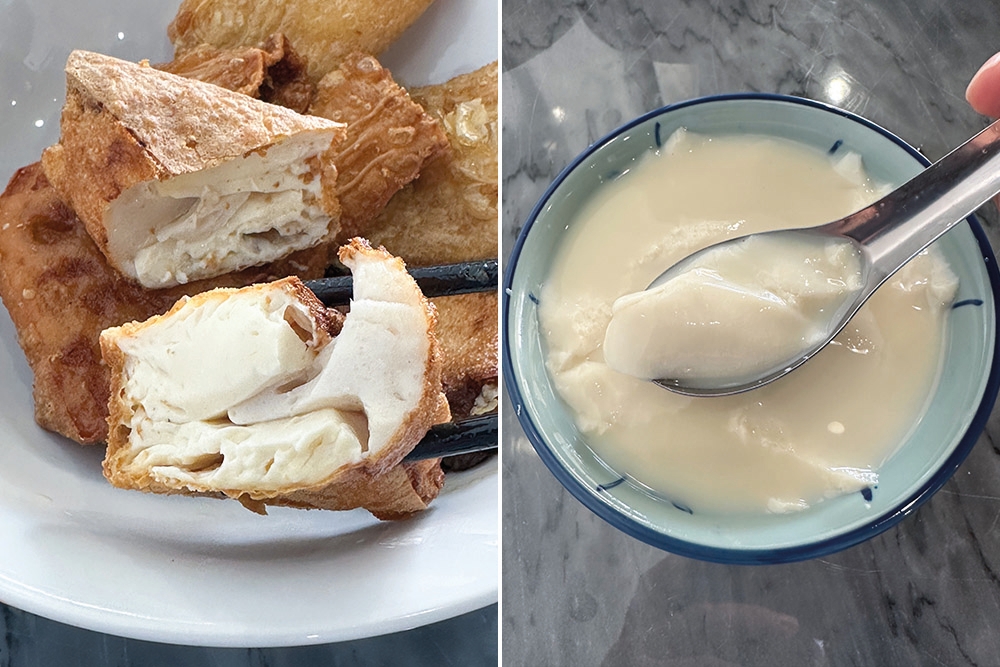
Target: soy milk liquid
819 432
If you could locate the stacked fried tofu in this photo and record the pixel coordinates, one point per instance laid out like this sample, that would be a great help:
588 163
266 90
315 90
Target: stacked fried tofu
246 160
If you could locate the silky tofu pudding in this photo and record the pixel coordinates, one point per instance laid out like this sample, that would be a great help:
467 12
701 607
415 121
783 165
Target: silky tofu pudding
736 312
787 446
827 456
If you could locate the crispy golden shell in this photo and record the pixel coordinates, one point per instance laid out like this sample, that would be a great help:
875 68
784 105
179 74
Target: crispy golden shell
324 31
389 138
450 213
467 331
274 73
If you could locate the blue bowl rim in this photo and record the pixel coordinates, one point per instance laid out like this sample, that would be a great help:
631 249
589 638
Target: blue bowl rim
747 556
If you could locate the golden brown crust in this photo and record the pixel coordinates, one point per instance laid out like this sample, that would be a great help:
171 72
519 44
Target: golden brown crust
274 72
185 125
241 70
389 138
450 213
400 492
61 292
95 161
467 332
119 415
324 31
444 97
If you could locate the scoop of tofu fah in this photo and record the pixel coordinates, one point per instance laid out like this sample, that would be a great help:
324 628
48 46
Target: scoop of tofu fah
178 180
262 393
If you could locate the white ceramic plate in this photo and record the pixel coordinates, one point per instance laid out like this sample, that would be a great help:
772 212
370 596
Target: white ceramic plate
194 570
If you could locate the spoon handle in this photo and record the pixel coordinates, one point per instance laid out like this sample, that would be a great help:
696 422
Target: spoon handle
906 221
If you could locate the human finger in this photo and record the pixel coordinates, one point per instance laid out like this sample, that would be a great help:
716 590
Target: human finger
983 93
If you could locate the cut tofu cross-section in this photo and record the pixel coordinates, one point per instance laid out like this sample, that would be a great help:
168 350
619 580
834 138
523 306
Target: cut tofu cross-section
264 395
178 180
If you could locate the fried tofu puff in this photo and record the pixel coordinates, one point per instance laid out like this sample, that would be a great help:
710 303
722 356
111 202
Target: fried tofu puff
180 180
264 395
324 31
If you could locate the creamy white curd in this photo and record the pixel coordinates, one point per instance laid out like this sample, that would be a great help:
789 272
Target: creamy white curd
736 312
240 213
823 430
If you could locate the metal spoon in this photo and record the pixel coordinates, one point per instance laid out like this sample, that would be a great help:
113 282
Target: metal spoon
889 233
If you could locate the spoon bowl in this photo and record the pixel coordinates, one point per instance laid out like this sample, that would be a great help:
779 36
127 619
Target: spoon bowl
764 363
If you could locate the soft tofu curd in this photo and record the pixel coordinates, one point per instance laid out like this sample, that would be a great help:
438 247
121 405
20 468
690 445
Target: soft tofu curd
823 430
736 312
243 212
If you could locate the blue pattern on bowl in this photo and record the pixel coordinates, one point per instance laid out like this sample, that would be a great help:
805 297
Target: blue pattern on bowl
966 392
967 302
610 485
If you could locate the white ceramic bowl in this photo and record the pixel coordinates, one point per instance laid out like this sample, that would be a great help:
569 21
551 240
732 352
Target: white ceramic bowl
955 417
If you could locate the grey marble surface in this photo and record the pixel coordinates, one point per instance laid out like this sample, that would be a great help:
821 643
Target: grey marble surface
576 591
27 640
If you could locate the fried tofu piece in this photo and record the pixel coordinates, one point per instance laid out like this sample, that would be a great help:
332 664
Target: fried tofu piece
324 31
467 331
179 180
61 292
450 213
389 138
262 393
73 293
274 72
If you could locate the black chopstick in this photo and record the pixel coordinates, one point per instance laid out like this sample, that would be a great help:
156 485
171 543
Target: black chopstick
462 437
443 280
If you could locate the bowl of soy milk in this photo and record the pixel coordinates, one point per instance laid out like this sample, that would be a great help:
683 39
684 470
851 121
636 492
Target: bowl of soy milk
832 454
